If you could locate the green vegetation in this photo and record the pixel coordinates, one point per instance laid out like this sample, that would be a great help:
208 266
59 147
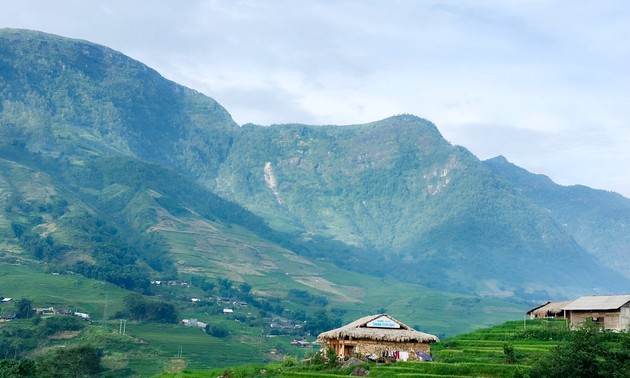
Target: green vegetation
139 308
112 177
78 361
587 352
539 348
145 346
106 167
23 308
584 212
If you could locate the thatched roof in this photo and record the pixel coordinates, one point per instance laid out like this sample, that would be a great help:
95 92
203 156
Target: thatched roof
537 308
359 330
599 302
549 308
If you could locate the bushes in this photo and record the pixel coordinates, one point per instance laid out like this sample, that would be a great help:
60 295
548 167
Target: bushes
63 362
588 353
138 307
289 360
23 308
54 324
17 368
303 297
217 330
70 362
511 355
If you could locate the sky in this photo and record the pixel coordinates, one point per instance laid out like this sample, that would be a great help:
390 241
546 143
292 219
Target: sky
544 83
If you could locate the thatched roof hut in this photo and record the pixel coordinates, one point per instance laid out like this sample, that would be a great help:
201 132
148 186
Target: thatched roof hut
377 335
548 310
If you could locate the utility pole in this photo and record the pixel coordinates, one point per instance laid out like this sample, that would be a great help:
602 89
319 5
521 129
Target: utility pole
105 309
122 327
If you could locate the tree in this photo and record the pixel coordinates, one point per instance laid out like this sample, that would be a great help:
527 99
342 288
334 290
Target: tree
162 312
245 288
320 322
135 306
138 307
18 229
17 368
580 356
617 359
217 330
225 287
23 308
79 361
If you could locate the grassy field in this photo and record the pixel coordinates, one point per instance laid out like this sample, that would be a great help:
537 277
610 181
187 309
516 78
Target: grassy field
481 353
151 348
72 292
212 249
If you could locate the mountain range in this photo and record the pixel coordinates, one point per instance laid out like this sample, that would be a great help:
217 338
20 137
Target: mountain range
112 171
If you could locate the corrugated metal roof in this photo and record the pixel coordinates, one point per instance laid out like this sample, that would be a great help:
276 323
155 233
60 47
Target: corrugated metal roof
598 302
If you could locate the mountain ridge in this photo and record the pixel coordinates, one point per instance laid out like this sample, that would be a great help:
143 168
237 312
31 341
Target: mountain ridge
591 216
391 197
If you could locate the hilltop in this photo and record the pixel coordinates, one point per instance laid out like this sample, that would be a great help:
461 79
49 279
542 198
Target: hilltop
392 198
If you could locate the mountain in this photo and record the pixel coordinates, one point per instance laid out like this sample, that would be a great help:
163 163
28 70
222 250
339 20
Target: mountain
63 96
598 220
120 174
434 212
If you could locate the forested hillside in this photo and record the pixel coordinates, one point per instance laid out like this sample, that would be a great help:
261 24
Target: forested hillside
95 143
596 219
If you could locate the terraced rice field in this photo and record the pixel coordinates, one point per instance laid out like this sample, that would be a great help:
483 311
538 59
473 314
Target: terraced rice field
508 350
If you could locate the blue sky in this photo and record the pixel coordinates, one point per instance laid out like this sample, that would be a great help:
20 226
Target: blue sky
544 83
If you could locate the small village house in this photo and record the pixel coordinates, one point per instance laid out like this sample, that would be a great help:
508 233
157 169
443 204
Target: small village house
193 323
611 312
381 336
554 310
302 343
82 315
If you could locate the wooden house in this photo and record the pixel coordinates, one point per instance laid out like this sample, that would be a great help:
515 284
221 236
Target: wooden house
379 336
611 312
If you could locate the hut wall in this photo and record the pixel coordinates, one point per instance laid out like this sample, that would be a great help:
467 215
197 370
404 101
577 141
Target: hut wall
607 319
365 347
625 317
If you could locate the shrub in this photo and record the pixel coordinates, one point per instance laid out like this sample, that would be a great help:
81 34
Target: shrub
217 331
331 356
511 355
289 360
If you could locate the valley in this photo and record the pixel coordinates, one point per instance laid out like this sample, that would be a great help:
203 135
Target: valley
113 178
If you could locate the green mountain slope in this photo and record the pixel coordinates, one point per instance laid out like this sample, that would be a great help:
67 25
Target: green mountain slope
71 97
596 219
128 222
165 176
433 211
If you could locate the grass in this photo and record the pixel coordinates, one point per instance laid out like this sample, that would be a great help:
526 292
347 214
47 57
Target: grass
151 348
212 249
194 346
72 292
454 357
